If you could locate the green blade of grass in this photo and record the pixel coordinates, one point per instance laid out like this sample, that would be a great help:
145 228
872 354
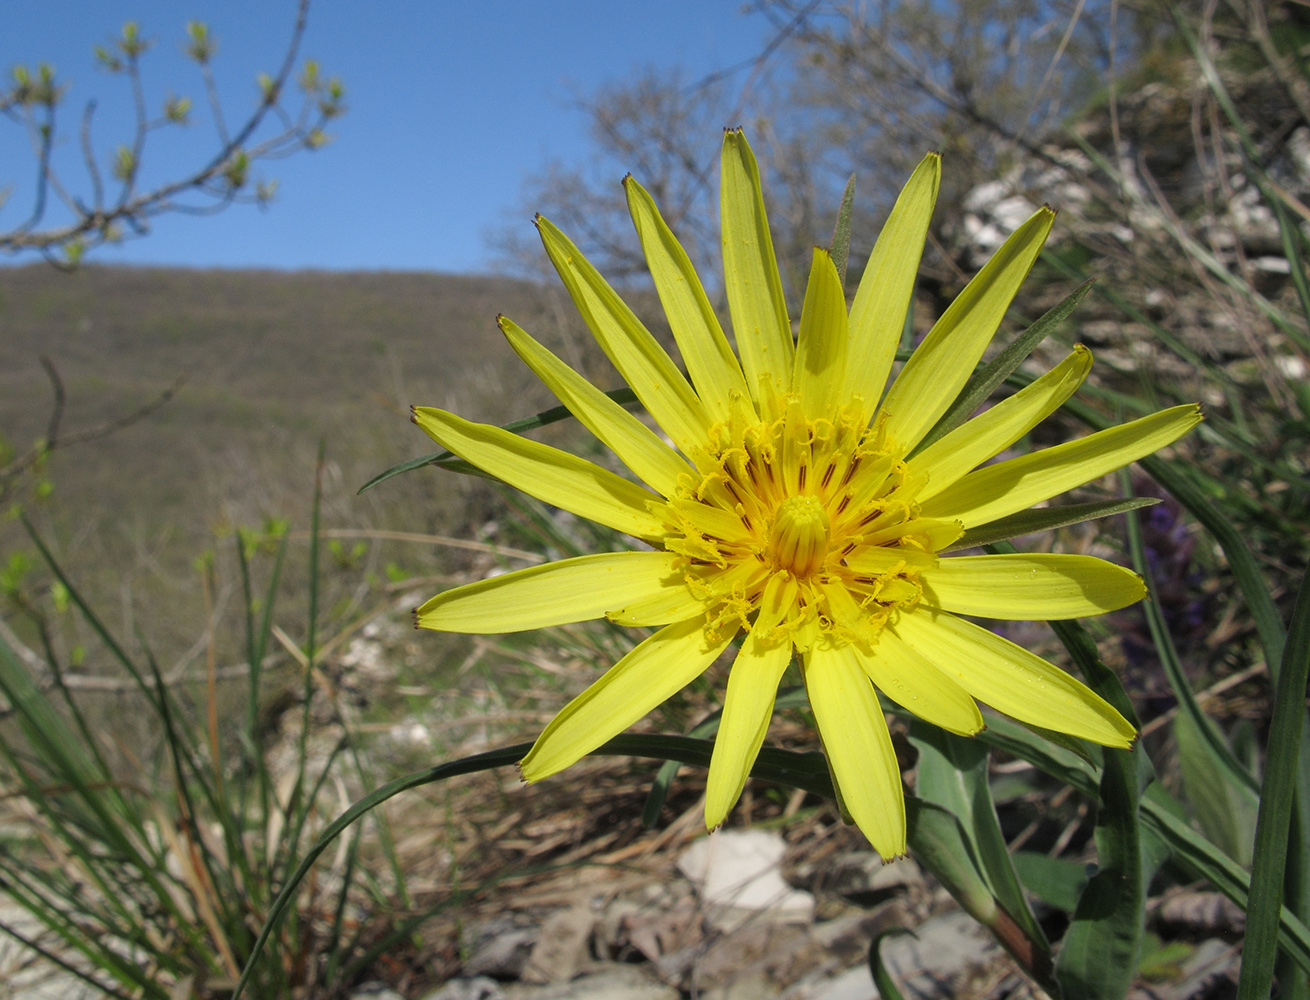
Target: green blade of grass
882 979
53 957
793 697
984 382
1221 755
1201 859
840 247
1276 797
624 397
1030 522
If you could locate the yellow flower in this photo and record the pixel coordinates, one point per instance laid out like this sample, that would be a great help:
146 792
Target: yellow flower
794 509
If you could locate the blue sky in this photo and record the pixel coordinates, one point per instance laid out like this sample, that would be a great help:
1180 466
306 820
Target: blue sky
451 106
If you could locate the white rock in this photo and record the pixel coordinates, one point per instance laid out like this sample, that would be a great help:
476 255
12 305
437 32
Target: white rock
477 988
561 948
615 982
737 874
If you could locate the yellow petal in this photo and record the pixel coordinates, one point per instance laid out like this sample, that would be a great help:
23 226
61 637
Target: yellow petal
651 673
883 298
639 448
858 745
1040 585
644 365
1011 679
571 590
940 366
821 344
874 560
1006 487
683 600
710 362
546 473
915 684
750 270
955 454
747 709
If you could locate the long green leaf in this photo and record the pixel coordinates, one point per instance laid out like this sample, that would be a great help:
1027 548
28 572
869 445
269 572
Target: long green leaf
793 697
1058 882
1029 522
1098 957
1276 798
1201 859
882 979
1221 757
952 772
624 397
840 247
984 381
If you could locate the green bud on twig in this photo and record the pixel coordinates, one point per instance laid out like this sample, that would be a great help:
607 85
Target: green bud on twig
200 46
124 163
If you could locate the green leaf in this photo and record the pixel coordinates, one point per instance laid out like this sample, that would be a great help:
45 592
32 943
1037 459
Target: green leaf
1055 881
446 460
996 371
840 247
1207 750
941 845
1100 951
793 697
1200 859
952 772
1276 800
1030 522
887 988
1225 810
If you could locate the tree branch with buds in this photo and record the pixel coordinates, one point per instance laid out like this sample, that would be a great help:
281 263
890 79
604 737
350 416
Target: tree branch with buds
97 213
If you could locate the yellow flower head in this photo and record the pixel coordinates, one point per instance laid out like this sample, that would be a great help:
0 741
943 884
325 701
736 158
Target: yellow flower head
794 508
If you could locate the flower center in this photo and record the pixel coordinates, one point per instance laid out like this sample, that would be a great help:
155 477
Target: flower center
798 540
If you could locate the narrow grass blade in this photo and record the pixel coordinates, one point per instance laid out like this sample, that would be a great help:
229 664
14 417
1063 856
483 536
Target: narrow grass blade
1277 793
93 620
840 247
1029 522
996 371
1201 859
659 790
1098 957
56 960
624 397
1221 756
887 988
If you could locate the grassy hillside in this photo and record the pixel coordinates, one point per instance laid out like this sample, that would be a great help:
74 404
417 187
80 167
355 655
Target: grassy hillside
274 362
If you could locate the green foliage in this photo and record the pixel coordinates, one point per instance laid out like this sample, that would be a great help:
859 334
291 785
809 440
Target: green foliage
175 880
